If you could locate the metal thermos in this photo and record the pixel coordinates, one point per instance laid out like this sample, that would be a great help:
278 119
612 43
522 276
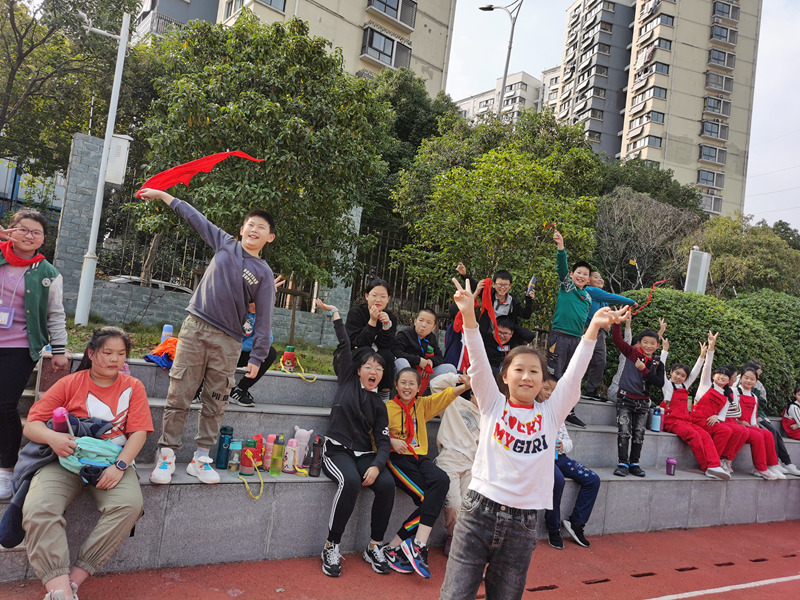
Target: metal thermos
316 458
224 446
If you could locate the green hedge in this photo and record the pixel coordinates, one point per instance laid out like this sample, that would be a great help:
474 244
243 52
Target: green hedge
690 316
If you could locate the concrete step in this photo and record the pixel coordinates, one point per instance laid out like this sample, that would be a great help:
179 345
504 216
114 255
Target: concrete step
188 523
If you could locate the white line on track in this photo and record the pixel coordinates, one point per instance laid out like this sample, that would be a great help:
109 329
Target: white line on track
728 588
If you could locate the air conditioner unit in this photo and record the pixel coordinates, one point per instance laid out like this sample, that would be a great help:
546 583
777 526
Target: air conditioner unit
717 120
723 96
716 21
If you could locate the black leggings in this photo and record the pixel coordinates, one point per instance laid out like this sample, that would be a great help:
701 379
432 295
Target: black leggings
16 366
425 483
244 358
347 470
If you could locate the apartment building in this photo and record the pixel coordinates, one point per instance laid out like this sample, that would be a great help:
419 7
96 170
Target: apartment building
549 93
373 34
682 79
156 16
522 91
690 93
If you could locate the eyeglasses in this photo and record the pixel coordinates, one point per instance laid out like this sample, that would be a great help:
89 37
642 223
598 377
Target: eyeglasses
505 333
36 233
502 285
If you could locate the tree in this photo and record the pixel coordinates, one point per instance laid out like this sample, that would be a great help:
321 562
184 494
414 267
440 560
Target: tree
786 232
639 239
657 183
495 215
278 94
745 257
49 68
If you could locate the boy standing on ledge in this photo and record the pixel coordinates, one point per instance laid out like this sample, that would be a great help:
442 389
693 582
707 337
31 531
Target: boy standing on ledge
211 336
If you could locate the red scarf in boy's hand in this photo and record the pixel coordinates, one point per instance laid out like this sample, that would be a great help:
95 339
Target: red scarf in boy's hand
408 422
14 259
488 306
184 173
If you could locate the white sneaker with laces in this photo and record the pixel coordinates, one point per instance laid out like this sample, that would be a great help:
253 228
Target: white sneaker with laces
200 467
791 469
776 471
6 489
768 475
165 467
718 473
726 464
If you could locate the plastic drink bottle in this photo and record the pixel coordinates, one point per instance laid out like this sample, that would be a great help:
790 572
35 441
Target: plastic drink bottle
289 361
671 464
276 464
655 425
268 445
166 332
60 416
235 456
316 458
248 459
290 457
224 446
531 284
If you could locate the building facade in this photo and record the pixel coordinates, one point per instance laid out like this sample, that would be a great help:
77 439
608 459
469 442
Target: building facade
549 93
156 16
373 34
670 82
523 91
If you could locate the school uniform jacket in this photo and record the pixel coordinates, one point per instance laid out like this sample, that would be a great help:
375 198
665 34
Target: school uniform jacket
408 345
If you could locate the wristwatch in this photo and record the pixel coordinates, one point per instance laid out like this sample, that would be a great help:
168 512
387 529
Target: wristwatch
121 465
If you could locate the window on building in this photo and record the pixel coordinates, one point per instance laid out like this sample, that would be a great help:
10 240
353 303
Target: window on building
713 154
721 58
716 81
711 203
593 136
726 10
717 131
552 95
384 49
276 4
520 85
659 20
487 102
554 80
232 7
604 48
596 114
711 179
596 92
514 100
725 35
653 92
652 116
609 6
717 106
404 11
648 140
663 44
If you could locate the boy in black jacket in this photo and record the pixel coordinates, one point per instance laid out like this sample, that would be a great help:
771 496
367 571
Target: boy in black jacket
418 347
358 416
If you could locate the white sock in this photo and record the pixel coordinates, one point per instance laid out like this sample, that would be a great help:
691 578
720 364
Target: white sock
200 453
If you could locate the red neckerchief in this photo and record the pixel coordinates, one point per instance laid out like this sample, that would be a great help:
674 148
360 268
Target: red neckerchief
14 259
488 306
184 173
408 423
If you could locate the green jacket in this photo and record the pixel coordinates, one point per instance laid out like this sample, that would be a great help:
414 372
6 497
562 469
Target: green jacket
45 318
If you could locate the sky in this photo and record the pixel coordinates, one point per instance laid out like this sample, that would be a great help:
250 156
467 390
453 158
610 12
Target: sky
478 53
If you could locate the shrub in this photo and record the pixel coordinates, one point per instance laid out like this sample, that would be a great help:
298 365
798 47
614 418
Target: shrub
690 316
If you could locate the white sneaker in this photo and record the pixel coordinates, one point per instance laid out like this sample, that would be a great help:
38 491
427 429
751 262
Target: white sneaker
718 473
726 464
768 475
6 489
200 467
781 468
776 471
791 469
165 467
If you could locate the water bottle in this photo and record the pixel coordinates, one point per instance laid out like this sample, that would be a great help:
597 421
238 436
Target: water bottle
60 416
316 458
224 446
290 457
166 332
655 425
671 464
235 456
531 285
268 446
248 460
276 464
289 361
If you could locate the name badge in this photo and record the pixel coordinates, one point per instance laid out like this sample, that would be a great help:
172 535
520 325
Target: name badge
6 316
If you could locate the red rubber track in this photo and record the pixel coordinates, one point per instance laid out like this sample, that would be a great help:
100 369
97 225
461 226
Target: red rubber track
638 566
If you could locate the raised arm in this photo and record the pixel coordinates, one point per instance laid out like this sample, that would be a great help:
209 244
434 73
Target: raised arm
599 295
698 365
342 356
705 376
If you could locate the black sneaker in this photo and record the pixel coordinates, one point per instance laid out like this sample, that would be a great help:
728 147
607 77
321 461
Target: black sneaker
576 533
594 396
555 540
417 556
636 470
374 556
331 560
573 419
242 397
198 393
621 471
397 560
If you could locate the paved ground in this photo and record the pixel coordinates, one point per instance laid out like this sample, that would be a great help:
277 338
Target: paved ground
757 561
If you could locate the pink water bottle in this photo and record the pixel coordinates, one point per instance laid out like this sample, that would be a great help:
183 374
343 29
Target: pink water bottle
671 464
60 416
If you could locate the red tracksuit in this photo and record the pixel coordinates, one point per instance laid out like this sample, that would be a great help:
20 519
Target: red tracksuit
728 439
677 421
787 422
762 444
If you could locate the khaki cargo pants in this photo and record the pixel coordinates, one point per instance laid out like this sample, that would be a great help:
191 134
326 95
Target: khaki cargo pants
204 353
53 489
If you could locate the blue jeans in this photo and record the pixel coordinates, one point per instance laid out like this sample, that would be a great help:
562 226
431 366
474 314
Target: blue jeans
590 485
488 532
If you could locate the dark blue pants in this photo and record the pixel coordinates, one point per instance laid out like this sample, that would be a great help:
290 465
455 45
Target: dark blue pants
590 485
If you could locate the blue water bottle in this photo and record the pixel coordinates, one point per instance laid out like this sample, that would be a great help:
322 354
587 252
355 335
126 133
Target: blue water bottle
166 332
655 425
224 446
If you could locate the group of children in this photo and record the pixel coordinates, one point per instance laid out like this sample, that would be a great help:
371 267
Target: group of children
502 442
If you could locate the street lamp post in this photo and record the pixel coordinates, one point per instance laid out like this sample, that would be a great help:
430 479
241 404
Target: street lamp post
513 12
90 258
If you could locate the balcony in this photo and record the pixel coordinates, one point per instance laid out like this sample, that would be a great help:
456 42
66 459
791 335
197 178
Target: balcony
154 23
